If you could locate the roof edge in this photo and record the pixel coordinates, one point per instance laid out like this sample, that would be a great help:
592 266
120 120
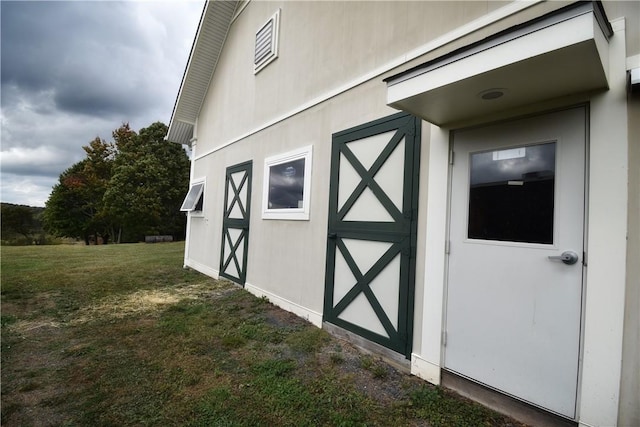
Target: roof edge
213 27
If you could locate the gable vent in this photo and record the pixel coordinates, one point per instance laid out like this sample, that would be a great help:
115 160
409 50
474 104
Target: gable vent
266 43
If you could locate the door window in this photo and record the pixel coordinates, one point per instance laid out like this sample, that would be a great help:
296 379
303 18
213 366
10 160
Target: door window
511 194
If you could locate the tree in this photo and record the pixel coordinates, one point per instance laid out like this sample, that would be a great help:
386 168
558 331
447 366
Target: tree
97 174
67 212
132 187
20 220
76 207
150 178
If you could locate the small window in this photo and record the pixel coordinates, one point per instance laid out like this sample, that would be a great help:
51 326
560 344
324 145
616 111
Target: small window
195 197
287 185
512 194
266 49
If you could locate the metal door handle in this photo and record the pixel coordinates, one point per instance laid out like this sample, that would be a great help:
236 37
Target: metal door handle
568 257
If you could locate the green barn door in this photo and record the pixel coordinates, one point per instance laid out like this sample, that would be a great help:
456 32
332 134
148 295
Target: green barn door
372 230
235 223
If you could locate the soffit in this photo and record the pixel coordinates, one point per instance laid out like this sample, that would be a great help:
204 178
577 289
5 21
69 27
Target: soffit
212 31
559 54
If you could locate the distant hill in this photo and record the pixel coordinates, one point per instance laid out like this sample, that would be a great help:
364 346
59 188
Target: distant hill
34 209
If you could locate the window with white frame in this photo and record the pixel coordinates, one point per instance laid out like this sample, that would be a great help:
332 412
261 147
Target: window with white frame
287 185
266 49
194 201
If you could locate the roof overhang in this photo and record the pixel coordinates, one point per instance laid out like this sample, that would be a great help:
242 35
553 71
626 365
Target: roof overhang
558 54
212 31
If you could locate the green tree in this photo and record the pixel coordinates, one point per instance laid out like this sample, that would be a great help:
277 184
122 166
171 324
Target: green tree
132 187
20 220
97 174
67 212
150 178
76 207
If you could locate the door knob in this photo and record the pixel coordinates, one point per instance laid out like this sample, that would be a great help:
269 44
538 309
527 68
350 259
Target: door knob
568 257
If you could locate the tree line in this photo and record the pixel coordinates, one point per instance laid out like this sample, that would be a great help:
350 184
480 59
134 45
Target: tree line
123 190
22 225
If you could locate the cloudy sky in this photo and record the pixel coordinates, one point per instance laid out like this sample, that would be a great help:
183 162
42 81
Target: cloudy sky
74 70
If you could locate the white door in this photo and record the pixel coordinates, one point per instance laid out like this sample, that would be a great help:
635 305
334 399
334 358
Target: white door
513 310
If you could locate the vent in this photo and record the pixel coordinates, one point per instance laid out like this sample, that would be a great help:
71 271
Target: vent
266 43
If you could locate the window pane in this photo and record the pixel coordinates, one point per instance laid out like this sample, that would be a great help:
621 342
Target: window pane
511 194
200 203
193 197
286 185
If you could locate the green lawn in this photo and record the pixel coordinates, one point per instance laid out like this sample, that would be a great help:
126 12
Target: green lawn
123 335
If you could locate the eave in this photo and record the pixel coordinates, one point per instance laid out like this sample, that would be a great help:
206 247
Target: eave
212 31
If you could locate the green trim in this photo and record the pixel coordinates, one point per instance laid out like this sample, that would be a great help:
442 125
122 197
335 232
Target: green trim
236 223
401 233
368 180
363 282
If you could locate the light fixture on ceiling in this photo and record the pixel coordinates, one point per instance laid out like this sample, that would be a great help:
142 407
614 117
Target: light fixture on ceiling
491 94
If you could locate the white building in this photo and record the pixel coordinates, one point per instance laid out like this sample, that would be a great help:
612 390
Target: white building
453 184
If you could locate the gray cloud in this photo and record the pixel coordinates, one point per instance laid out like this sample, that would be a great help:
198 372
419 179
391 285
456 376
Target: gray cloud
71 71
93 56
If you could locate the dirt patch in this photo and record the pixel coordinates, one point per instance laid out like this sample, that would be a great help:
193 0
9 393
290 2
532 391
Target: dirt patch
283 319
117 307
23 327
370 374
28 304
137 303
145 301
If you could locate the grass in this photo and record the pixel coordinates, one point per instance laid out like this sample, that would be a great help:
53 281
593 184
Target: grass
122 335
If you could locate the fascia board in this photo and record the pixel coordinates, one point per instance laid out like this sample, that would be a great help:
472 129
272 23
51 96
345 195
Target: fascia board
213 28
552 38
